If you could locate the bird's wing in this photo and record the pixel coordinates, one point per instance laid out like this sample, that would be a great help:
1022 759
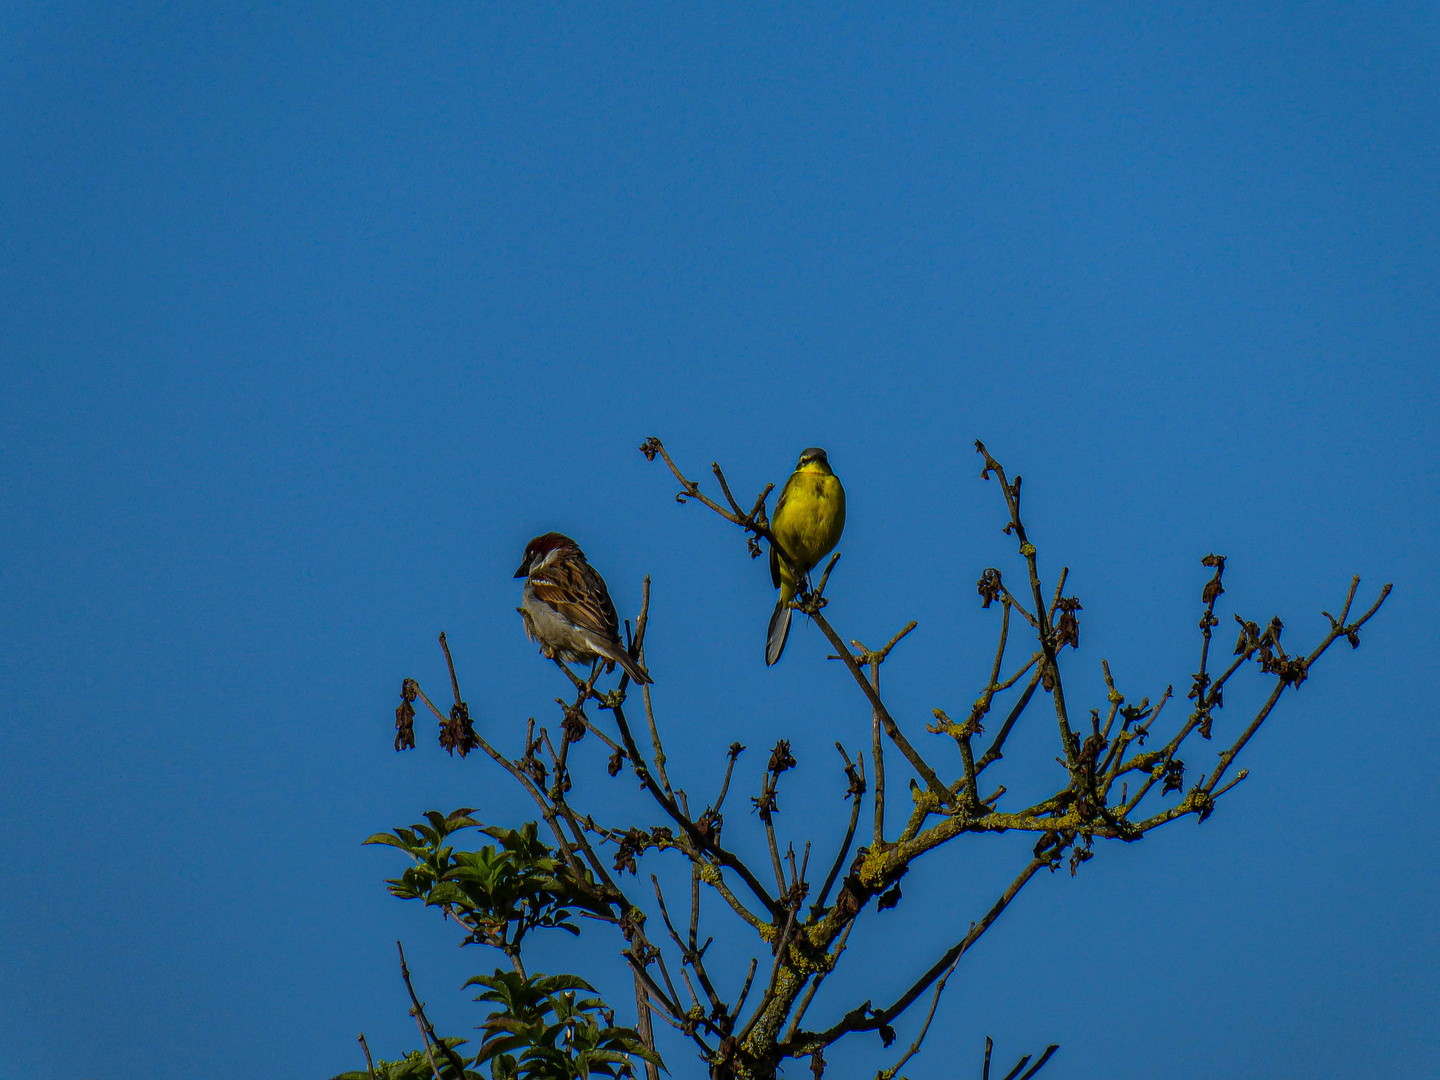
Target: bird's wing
574 589
774 556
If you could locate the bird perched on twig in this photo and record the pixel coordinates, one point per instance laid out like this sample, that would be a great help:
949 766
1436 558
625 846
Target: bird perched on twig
567 609
809 518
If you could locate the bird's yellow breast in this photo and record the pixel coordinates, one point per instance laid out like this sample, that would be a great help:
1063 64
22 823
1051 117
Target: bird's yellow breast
810 516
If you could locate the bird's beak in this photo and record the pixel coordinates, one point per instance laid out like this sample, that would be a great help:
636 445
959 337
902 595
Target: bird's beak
523 571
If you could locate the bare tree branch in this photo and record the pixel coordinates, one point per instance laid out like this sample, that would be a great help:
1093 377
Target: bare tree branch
866 1019
807 950
427 1030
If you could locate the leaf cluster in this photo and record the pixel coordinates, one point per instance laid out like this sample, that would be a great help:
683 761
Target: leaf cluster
413 1066
544 1031
498 893
539 1028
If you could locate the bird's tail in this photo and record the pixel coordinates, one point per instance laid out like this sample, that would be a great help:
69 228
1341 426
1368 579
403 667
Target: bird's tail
779 630
624 659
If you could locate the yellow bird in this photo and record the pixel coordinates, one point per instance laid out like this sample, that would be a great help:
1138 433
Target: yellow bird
809 518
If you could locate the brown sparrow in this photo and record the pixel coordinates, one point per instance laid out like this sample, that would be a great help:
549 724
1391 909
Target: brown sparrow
567 609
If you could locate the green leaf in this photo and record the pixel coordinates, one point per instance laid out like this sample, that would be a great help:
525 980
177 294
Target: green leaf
447 893
387 838
554 983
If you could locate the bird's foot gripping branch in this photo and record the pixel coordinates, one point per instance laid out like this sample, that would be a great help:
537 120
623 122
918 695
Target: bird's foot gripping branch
1121 776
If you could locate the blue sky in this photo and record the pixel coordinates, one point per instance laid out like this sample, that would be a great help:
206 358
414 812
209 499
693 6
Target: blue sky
311 320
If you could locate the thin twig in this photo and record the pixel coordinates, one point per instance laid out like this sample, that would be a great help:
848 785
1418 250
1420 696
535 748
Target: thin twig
924 1028
425 1041
682 1021
687 953
1059 588
729 769
866 1019
1045 631
856 775
1046 1056
877 754
665 974
994 753
547 810
1227 757
745 990
764 803
450 663
701 841
644 1027
642 621
825 577
369 1061
694 953
427 1029
694 905
937 788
